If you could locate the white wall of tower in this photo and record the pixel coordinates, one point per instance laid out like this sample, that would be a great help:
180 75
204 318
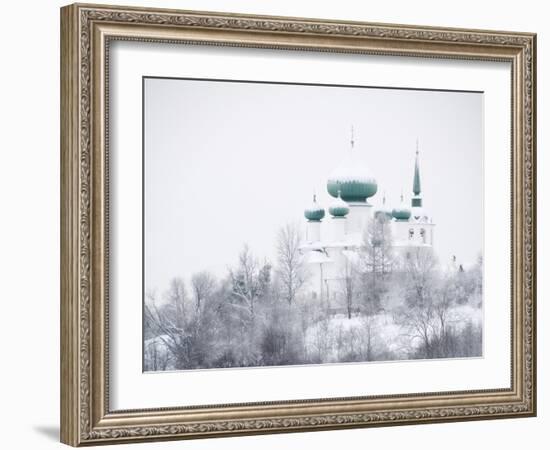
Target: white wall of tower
357 219
313 231
338 227
411 233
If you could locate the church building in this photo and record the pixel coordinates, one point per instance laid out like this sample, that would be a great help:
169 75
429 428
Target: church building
332 242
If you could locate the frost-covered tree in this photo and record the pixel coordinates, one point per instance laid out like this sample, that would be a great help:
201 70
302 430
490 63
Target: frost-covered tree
175 301
429 315
290 268
202 284
377 253
170 321
257 316
156 354
245 283
376 261
419 315
420 266
478 275
250 288
348 285
185 333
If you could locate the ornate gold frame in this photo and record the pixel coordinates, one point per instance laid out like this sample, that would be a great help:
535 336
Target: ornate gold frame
86 31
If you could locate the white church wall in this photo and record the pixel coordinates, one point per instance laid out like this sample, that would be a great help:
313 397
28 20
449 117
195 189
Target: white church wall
358 218
313 231
338 227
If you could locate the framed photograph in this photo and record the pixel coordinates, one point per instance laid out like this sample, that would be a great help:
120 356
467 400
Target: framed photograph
274 224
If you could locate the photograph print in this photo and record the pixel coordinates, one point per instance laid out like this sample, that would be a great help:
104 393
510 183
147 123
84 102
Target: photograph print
296 224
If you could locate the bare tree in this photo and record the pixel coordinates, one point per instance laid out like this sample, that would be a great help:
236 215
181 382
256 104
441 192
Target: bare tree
377 246
377 260
188 336
156 355
419 321
150 329
348 281
420 266
170 322
441 306
290 268
478 275
245 282
203 284
422 316
176 299
368 338
428 313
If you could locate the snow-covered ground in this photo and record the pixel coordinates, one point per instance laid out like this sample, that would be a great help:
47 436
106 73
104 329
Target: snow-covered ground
378 336
334 338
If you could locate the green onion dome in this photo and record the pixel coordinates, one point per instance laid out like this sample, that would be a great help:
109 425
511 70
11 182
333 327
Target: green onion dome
338 208
353 180
315 212
402 212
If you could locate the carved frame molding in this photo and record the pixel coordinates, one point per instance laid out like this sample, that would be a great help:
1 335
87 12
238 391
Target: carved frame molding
86 31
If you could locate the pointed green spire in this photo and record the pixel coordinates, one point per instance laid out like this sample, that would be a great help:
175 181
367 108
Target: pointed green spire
416 181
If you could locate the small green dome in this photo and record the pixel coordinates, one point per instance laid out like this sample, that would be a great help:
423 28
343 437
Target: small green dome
338 208
402 212
315 212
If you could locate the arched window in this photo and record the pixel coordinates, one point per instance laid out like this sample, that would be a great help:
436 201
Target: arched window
423 235
411 233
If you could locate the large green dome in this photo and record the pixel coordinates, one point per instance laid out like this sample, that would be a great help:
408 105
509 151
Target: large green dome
353 180
315 212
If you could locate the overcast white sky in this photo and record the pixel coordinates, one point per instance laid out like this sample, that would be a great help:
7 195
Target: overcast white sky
229 162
